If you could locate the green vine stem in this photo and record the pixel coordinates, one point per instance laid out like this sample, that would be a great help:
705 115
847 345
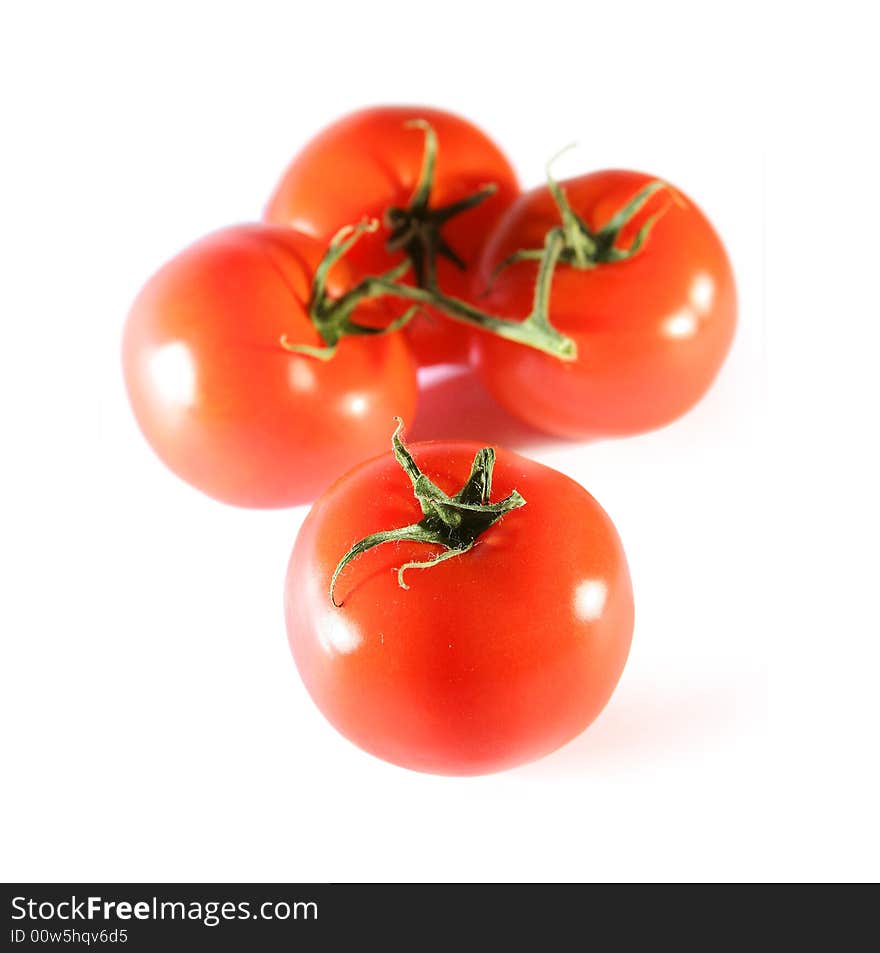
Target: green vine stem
416 230
535 330
332 316
453 522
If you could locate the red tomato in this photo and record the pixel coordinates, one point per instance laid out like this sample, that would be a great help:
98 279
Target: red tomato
368 162
489 659
652 331
219 399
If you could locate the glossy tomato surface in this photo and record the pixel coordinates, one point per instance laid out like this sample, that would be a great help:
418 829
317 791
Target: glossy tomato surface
652 331
490 659
369 161
223 404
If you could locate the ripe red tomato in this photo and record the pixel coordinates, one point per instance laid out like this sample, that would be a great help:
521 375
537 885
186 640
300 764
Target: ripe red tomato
489 659
220 400
370 161
652 331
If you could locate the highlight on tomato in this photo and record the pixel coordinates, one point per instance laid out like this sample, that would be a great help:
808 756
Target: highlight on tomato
643 287
224 357
437 184
458 609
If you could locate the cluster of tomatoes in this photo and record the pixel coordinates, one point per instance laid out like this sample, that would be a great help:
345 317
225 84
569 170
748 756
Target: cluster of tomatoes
268 359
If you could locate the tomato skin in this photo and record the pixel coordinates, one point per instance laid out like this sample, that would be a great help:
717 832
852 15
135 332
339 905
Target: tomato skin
490 659
652 331
218 398
368 161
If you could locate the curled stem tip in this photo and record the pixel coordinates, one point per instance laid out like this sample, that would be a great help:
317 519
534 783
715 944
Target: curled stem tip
310 350
548 167
422 193
428 563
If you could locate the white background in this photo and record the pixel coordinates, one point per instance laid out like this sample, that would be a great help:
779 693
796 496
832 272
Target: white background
154 726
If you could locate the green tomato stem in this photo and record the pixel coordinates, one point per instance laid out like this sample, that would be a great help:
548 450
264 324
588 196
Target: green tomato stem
453 522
